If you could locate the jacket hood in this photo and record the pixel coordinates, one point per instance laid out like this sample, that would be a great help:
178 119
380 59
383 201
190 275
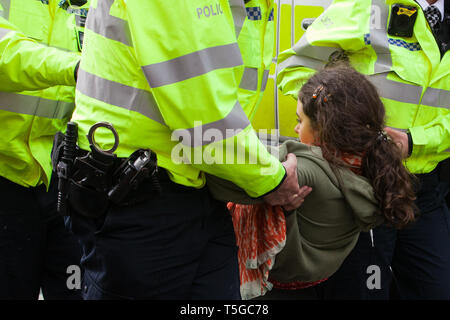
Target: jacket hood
356 189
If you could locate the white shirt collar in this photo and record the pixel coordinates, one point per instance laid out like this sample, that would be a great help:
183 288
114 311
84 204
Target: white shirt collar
438 4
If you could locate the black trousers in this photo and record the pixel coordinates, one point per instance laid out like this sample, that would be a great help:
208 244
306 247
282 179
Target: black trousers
421 260
36 251
178 245
364 275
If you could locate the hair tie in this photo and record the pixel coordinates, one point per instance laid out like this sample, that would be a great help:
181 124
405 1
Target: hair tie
382 136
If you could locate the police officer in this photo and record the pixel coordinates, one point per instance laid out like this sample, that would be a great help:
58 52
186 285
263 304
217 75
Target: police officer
421 260
403 47
166 78
36 251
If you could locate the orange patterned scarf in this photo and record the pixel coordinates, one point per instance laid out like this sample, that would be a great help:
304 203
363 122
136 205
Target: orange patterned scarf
260 234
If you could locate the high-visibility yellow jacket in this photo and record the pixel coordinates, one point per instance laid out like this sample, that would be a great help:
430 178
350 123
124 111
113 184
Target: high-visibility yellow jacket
256 41
161 72
413 80
28 65
30 119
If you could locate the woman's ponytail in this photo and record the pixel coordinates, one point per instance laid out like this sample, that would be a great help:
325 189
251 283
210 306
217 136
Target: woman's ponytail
392 183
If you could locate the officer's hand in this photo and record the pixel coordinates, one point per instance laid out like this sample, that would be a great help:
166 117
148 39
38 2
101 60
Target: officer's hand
400 138
289 194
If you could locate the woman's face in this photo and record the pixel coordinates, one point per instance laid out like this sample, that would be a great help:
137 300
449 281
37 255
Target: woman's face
303 128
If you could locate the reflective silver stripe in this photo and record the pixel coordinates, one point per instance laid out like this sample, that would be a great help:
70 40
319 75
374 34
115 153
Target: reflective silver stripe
101 22
249 79
304 49
193 65
378 35
264 80
301 61
239 14
5 4
36 106
235 121
397 91
4 32
119 95
436 98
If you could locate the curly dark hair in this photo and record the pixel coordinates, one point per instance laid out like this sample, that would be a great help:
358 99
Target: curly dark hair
348 115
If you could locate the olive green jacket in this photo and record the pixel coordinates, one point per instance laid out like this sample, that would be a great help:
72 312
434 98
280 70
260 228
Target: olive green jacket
323 231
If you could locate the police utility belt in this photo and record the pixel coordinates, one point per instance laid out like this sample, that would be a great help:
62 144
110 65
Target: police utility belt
89 182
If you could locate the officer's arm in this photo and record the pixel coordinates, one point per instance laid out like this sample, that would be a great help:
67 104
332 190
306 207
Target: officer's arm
28 65
193 65
339 30
432 138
